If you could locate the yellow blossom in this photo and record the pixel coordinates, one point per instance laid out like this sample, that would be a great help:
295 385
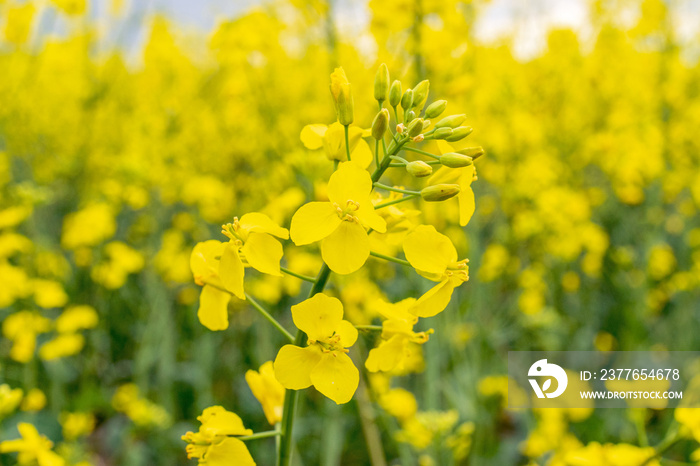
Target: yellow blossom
76 318
268 391
76 425
324 363
397 335
215 444
434 256
340 223
332 139
34 400
10 398
32 448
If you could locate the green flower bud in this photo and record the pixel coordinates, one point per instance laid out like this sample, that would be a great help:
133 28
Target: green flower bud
473 152
415 127
342 96
346 107
451 121
459 133
426 124
380 124
442 133
410 115
381 83
419 169
439 192
395 93
407 99
455 160
435 109
420 94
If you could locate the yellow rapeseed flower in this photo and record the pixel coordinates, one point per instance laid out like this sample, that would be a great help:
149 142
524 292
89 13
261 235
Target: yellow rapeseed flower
32 448
267 389
434 256
215 443
341 223
324 363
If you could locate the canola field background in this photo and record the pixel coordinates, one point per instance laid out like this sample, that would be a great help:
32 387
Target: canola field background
586 233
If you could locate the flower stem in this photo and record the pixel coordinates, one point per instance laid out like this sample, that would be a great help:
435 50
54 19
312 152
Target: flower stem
396 190
284 454
418 151
369 327
389 258
267 434
395 201
269 317
298 275
347 141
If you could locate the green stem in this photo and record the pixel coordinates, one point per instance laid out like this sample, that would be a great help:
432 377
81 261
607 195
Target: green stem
291 397
347 141
395 201
298 275
369 327
396 190
376 153
413 149
269 318
398 159
267 434
390 259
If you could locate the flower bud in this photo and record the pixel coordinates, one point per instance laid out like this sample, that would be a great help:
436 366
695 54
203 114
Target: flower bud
381 83
419 138
419 169
459 133
451 121
439 192
380 124
426 124
455 160
442 133
420 94
473 152
342 96
400 128
435 109
415 127
410 116
407 99
395 93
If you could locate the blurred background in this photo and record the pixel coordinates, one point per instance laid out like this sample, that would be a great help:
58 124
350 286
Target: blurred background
131 130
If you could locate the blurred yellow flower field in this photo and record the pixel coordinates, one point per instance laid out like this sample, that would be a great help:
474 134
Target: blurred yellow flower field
282 240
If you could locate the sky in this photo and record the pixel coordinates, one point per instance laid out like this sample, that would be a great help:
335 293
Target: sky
529 19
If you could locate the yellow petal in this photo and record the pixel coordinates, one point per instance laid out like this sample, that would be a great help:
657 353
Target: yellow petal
387 355
466 196
428 250
362 154
312 136
444 147
218 421
313 222
444 175
227 452
346 249
293 365
336 377
263 253
436 299
350 182
347 333
318 317
213 308
261 223
203 260
231 270
370 219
